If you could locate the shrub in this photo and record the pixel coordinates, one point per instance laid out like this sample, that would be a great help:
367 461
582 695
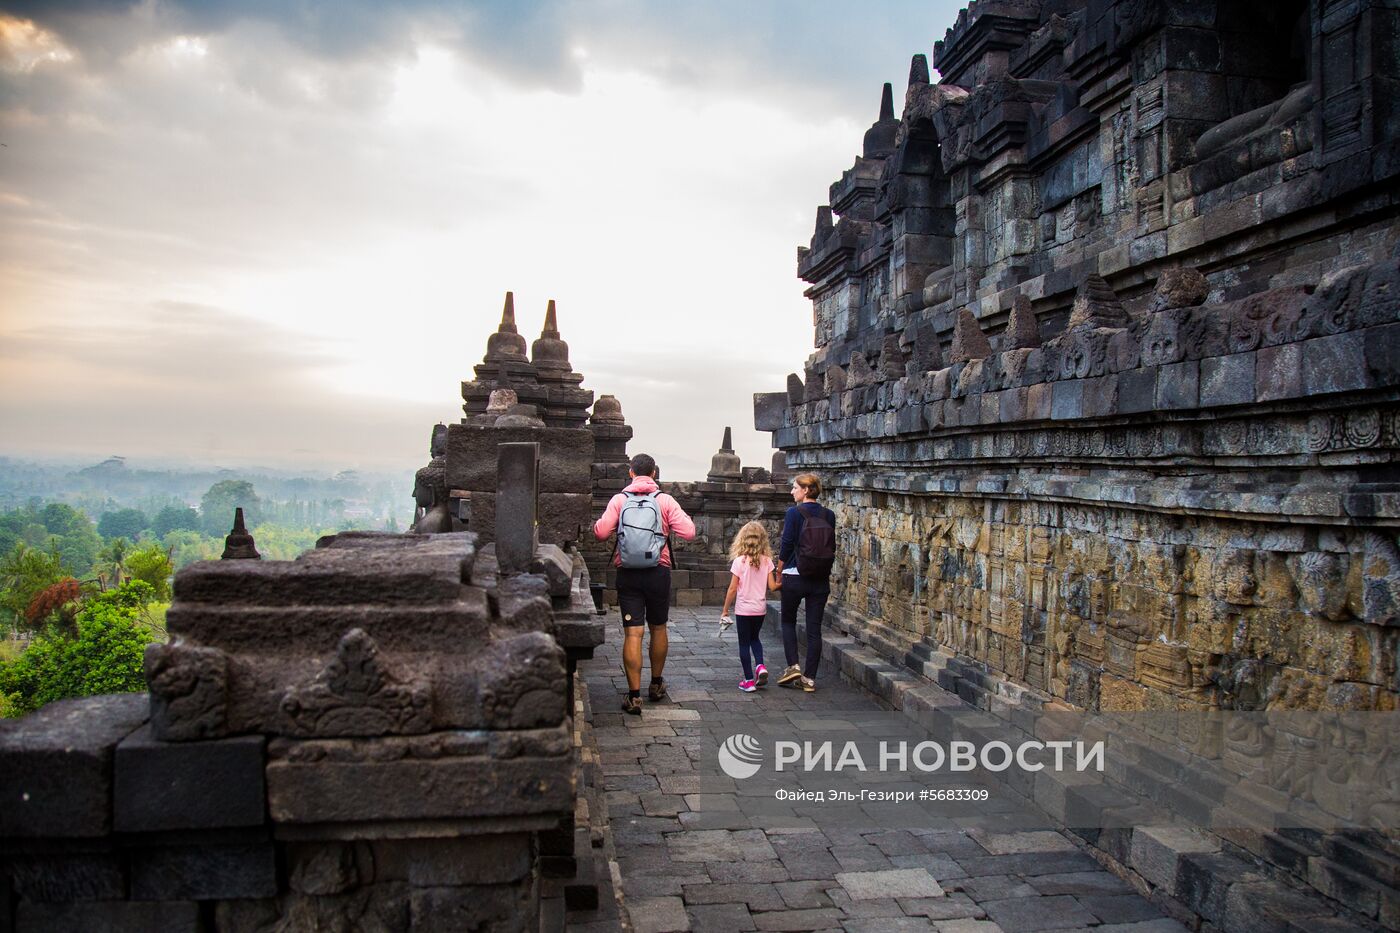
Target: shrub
104 656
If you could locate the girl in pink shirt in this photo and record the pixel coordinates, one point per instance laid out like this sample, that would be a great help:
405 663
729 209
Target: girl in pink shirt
753 575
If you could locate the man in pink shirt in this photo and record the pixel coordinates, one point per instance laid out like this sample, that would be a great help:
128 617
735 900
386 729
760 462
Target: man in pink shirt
644 592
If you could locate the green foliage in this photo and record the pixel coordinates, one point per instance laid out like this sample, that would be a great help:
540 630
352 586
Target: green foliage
174 518
217 506
277 543
186 547
152 565
104 656
123 523
52 526
24 572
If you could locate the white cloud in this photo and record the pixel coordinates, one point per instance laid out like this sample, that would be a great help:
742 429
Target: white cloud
357 188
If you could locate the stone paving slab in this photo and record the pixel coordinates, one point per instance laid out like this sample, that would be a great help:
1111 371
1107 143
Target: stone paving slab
700 852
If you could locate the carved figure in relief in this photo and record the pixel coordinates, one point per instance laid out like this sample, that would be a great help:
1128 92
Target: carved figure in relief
1235 579
356 694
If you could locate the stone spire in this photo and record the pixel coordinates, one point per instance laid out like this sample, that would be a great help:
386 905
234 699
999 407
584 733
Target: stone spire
724 465
969 343
918 70
1022 331
1096 305
506 343
824 226
239 544
550 354
879 139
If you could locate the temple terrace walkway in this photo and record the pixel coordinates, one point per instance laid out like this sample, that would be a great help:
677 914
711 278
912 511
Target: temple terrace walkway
695 853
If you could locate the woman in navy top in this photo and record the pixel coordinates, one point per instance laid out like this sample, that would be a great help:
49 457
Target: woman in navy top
796 587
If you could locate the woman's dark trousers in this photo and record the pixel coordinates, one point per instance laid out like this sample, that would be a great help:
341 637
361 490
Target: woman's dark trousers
796 589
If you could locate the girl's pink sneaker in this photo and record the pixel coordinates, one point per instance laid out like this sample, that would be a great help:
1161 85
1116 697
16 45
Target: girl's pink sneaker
761 676
747 686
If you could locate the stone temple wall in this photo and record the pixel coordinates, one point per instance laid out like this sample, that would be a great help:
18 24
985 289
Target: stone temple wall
1107 330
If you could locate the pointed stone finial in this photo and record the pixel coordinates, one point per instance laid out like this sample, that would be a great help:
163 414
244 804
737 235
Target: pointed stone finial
824 224
969 343
1022 331
508 316
918 70
887 102
239 544
506 343
549 353
1096 305
728 442
724 465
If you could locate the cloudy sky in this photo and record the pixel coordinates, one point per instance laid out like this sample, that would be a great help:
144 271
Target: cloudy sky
280 232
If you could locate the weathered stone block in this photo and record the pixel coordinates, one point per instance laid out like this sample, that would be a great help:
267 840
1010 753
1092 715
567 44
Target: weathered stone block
566 454
1335 364
110 917
445 775
483 908
166 785
60 877
204 872
1228 380
1178 385
489 859
422 570
1067 400
1137 390
56 766
1278 372
1157 852
517 495
562 517
768 409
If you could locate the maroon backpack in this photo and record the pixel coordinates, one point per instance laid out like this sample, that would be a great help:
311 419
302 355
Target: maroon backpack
816 545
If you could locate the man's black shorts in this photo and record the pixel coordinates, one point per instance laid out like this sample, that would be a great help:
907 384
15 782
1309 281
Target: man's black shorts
644 596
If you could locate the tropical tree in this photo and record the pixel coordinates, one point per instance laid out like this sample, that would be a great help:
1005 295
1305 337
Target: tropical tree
173 518
186 547
152 565
217 505
72 533
123 523
111 566
24 573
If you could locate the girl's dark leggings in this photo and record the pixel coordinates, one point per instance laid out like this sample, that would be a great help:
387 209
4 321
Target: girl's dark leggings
750 648
814 593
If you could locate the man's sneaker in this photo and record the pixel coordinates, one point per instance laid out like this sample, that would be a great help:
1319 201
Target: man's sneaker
809 685
633 705
792 673
761 676
656 692
748 686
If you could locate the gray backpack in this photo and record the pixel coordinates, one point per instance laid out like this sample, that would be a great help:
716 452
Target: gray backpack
639 535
